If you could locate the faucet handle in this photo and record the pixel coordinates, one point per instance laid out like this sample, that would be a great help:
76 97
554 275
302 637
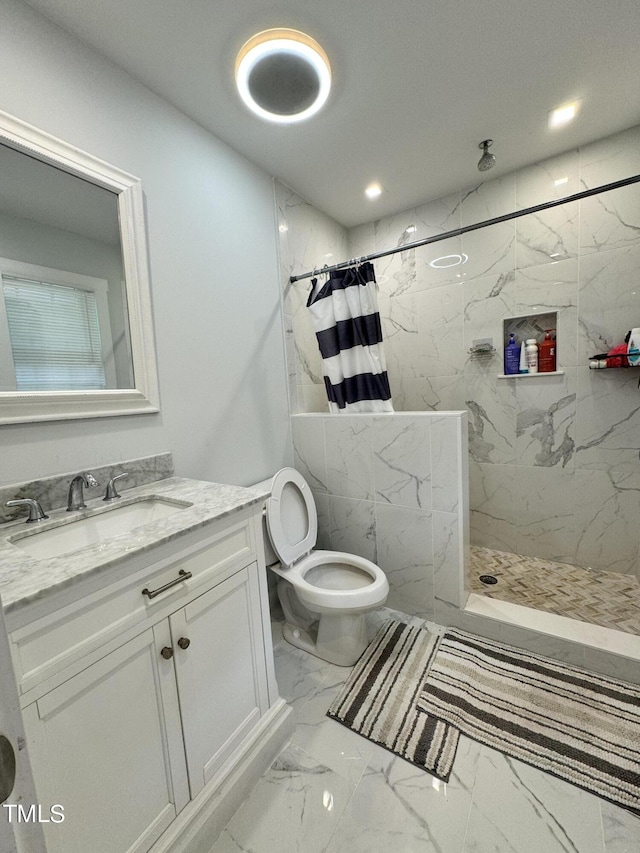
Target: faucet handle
111 494
36 512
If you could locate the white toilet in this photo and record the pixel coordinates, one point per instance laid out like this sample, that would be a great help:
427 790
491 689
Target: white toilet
324 594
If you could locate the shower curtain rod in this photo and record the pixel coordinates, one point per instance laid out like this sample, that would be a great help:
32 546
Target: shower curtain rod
465 229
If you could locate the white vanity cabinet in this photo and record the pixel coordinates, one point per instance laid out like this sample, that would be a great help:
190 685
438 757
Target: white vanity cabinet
220 675
99 747
135 706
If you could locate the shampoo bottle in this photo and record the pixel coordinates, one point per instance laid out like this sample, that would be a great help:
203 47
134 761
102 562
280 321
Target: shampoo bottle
531 354
511 356
547 354
633 348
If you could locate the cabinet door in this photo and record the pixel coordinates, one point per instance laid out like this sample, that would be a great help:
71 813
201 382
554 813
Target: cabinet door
99 748
220 668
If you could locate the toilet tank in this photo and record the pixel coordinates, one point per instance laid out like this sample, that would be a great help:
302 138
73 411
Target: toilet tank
270 556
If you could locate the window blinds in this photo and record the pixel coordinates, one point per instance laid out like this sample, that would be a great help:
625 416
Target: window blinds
55 336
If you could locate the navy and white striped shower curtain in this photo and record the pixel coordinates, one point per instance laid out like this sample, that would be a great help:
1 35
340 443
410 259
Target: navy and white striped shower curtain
345 315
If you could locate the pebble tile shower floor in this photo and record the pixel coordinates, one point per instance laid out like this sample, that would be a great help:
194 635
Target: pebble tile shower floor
609 599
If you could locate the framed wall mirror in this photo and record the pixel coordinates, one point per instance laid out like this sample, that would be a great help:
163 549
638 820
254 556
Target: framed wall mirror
76 331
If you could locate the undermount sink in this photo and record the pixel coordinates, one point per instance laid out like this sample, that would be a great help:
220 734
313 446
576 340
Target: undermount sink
74 534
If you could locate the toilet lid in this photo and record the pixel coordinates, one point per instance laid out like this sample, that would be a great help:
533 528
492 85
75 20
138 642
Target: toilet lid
292 520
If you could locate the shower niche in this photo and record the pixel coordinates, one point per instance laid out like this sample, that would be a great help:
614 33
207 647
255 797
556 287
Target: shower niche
531 326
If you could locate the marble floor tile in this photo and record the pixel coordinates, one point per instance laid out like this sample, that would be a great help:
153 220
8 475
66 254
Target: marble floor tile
298 674
399 807
332 791
295 806
621 830
325 739
518 809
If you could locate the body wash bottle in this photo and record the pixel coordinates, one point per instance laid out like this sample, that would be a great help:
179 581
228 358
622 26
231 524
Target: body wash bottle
511 356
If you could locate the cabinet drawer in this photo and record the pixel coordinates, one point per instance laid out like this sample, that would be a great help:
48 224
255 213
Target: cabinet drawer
87 627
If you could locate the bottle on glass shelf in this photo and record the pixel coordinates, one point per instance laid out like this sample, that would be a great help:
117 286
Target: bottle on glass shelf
547 354
531 355
511 356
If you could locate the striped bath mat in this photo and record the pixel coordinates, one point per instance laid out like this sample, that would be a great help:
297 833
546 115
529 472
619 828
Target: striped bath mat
575 724
379 698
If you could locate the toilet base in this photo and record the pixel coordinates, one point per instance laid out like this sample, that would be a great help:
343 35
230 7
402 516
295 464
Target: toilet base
299 637
339 638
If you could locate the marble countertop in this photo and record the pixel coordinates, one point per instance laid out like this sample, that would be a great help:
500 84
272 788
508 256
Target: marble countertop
25 579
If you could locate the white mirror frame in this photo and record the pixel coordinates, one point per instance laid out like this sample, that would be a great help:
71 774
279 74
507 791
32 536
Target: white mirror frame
26 407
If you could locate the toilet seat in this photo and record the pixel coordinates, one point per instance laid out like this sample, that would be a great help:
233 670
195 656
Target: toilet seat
292 519
323 599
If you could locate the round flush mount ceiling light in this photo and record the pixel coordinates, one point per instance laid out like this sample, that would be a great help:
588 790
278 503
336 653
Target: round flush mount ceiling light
283 75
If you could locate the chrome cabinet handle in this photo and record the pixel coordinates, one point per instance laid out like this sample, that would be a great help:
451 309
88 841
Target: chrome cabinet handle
167 652
182 576
184 642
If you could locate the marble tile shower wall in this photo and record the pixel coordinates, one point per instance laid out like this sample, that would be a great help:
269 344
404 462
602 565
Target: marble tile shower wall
554 461
393 489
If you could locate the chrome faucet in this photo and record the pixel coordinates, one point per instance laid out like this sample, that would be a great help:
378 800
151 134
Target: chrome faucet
36 512
76 496
111 493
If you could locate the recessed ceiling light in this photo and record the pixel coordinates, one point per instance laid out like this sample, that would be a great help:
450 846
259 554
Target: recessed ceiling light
411 229
373 191
446 261
560 181
563 115
283 75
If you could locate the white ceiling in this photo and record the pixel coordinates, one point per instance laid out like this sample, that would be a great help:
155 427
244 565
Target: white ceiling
417 84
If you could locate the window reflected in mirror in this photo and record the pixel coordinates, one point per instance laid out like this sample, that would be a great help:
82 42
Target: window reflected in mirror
64 323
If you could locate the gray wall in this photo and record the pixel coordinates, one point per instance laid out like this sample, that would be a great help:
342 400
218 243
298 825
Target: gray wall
212 251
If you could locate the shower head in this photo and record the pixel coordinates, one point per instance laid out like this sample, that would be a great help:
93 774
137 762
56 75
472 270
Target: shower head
487 161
